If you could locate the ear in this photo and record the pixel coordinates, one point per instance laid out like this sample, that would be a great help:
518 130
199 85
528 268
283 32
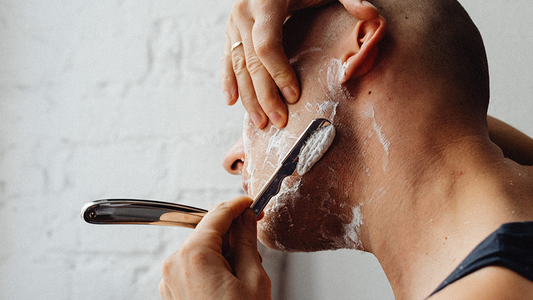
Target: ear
361 49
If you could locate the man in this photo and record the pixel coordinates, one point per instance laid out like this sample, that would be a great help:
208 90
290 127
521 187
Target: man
411 177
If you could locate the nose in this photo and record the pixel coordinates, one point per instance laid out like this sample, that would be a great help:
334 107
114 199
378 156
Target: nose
233 161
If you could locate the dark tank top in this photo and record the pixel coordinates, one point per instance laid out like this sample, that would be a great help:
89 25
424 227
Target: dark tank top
510 246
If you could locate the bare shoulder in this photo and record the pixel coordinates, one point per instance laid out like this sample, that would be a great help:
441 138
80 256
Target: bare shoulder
491 283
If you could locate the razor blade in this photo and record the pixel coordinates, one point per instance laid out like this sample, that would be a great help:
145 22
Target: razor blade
287 167
150 212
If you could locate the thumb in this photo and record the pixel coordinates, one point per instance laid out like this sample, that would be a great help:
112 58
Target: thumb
363 10
245 259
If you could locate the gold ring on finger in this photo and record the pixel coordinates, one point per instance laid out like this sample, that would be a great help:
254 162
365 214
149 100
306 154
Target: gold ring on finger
237 44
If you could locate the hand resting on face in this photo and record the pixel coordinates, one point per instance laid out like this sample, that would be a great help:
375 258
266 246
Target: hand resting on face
258 69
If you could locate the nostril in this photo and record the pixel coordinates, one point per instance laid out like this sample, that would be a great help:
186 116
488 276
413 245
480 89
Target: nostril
237 165
233 161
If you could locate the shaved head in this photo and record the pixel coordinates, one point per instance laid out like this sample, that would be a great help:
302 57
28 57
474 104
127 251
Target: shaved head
440 37
436 37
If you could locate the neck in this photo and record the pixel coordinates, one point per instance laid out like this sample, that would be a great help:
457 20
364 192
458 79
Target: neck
430 194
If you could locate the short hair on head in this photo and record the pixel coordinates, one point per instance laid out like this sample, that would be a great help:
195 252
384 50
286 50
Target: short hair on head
437 38
332 30
327 21
445 42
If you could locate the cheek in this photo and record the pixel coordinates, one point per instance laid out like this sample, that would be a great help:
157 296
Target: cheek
264 150
279 144
251 136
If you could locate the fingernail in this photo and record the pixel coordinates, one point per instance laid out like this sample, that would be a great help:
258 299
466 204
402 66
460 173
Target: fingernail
249 218
289 94
257 119
227 95
368 4
276 119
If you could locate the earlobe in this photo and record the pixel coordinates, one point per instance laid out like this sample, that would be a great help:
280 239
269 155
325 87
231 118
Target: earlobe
362 48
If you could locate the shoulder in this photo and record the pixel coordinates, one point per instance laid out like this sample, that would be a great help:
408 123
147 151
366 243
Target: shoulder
491 283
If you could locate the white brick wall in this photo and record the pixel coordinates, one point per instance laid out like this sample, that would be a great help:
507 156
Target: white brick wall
122 99
105 99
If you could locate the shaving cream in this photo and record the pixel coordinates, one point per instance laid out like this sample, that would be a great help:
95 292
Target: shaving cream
315 148
351 236
279 213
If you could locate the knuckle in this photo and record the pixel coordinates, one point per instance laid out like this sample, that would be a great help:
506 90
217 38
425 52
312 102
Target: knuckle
254 65
226 55
226 67
226 58
187 258
246 244
231 20
261 280
269 100
265 38
239 64
281 76
225 78
221 205
224 207
166 268
199 258
240 9
264 46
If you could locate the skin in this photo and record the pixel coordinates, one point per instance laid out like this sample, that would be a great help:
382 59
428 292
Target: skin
260 70
285 225
427 197
207 263
458 154
261 62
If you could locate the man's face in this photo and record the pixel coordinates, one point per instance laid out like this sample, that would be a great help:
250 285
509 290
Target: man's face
264 149
311 212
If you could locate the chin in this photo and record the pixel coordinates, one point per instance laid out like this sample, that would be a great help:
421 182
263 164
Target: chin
282 230
308 217
282 238
282 227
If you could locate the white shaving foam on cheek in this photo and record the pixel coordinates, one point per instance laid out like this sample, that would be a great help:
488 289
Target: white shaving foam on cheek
264 160
279 144
333 88
250 132
247 141
280 206
314 149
